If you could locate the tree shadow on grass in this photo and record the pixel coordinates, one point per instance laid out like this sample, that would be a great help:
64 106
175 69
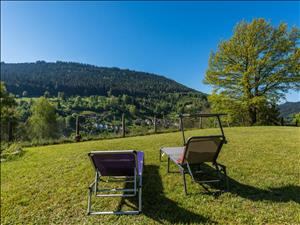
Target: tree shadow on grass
160 208
275 194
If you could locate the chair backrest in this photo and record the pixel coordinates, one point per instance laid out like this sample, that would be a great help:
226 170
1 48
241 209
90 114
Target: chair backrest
114 163
203 149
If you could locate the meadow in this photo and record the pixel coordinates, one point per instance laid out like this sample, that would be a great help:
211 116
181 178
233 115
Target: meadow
49 184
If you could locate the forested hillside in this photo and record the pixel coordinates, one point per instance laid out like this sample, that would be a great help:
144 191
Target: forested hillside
98 95
33 79
289 108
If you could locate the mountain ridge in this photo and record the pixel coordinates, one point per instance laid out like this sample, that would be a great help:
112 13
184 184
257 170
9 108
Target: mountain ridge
74 78
289 108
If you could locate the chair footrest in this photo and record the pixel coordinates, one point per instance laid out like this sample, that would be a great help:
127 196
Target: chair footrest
115 190
115 213
116 195
207 181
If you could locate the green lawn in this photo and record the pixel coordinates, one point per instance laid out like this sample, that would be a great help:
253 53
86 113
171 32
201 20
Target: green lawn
48 185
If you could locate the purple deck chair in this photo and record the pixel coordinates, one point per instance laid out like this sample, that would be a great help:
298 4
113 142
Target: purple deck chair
119 165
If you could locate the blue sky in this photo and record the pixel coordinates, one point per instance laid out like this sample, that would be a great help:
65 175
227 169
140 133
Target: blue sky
173 39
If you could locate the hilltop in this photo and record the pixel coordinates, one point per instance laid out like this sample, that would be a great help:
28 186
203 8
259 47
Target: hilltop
34 79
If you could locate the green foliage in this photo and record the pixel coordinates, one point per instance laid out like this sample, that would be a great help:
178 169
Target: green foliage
256 66
7 111
296 118
49 184
132 110
235 109
12 151
8 103
43 120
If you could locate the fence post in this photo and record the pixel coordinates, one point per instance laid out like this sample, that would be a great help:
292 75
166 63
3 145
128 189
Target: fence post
10 131
123 125
228 125
155 125
179 127
77 136
200 122
182 129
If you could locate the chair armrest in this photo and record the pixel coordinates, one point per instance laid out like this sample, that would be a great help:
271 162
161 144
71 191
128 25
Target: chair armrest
140 162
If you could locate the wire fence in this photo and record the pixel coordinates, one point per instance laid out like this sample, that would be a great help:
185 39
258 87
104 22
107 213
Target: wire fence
122 128
87 127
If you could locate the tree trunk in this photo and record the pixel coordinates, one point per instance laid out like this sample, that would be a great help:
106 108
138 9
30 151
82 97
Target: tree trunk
155 125
10 131
77 136
252 114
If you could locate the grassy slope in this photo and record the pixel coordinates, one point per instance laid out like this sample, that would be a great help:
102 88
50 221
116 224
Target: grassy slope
48 185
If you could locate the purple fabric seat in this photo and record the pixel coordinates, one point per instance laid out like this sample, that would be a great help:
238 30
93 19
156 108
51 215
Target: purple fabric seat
118 163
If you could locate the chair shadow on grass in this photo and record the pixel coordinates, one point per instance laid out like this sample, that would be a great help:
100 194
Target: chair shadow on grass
157 206
275 194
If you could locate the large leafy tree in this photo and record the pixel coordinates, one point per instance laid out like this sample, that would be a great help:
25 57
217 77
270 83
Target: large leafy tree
43 121
255 67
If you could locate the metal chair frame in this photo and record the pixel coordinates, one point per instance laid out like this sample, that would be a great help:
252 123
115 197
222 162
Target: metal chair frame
95 190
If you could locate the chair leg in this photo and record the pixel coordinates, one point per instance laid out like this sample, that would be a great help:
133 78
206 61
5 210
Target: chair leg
168 165
96 183
140 199
160 155
89 201
226 179
184 182
219 175
223 169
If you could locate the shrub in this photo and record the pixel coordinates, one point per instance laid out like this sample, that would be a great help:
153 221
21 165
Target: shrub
11 152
